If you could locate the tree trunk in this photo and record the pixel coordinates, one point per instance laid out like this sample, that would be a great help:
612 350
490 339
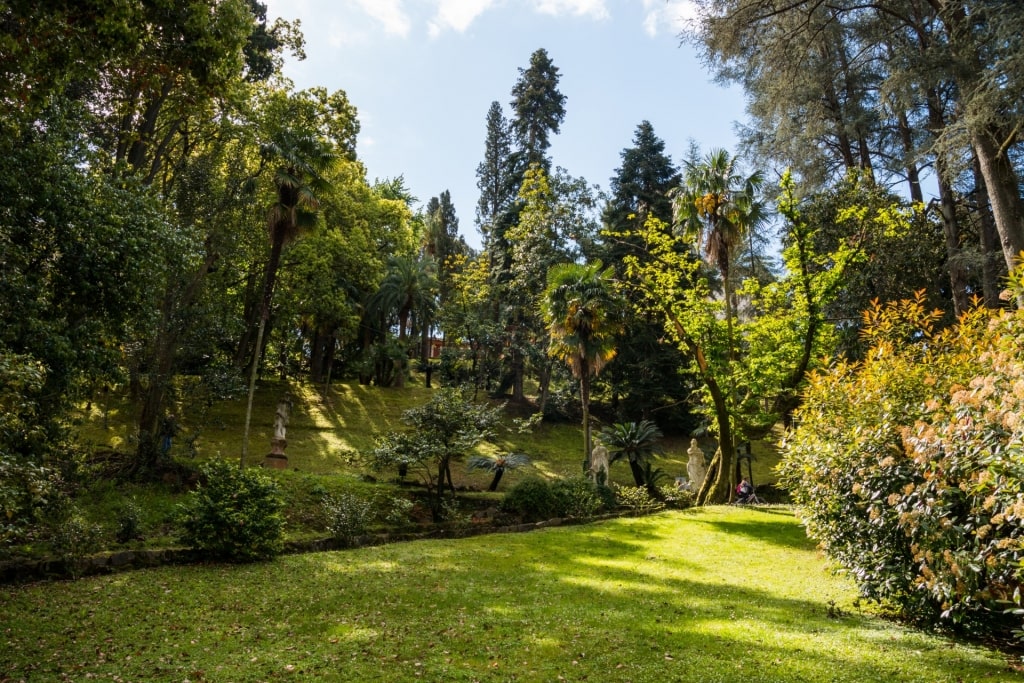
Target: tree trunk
161 365
270 275
497 477
585 404
716 487
1001 184
638 473
990 270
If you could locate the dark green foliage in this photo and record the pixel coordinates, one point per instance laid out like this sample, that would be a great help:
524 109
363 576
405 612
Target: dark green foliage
577 497
73 538
234 515
634 442
539 107
128 524
532 500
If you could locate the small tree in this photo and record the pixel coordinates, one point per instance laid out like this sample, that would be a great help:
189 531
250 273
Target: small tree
498 465
443 430
634 442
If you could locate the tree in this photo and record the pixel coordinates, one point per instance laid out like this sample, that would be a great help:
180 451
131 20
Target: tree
498 465
498 176
715 207
443 430
634 442
582 310
539 108
302 162
944 73
646 374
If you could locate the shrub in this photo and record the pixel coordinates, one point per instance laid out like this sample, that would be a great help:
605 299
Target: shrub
531 499
73 539
348 516
234 515
129 522
638 499
397 511
676 498
906 467
576 497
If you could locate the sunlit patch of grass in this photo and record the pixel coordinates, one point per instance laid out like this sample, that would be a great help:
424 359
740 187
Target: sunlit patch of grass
673 597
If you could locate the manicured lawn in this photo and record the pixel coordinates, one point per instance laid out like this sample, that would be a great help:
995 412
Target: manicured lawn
716 594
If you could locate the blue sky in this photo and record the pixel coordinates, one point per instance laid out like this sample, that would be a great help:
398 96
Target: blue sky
422 74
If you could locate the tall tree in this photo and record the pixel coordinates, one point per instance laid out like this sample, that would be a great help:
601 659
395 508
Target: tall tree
539 108
583 314
945 74
302 162
498 175
646 375
715 207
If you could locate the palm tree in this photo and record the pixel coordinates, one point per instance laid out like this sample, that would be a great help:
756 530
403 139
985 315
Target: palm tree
635 442
301 163
580 307
718 208
498 465
408 289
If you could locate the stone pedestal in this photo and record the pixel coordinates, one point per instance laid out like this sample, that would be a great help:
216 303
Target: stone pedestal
276 457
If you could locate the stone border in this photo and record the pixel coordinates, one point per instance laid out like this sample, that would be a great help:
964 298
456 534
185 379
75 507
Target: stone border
127 560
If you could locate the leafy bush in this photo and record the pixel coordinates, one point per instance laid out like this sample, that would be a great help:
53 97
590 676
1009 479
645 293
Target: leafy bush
638 499
677 498
348 516
396 511
234 515
73 539
907 466
129 522
576 497
531 499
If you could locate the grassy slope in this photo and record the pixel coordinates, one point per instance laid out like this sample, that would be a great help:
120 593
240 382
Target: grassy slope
351 416
718 594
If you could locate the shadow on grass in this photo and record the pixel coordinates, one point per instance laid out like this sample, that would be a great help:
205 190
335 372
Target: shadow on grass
665 598
768 527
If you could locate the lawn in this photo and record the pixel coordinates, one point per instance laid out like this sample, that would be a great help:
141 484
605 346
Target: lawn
718 594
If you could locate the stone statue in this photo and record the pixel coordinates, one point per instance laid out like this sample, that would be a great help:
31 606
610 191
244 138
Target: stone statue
276 458
281 418
599 463
696 468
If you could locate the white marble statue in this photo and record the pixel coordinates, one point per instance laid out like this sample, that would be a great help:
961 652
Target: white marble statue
599 462
696 468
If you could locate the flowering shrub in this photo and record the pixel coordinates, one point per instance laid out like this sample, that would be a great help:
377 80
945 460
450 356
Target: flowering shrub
908 467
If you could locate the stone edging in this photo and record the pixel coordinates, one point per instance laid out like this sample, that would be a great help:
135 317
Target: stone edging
125 560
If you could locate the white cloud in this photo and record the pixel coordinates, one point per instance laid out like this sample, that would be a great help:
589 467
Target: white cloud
456 15
389 13
674 16
595 9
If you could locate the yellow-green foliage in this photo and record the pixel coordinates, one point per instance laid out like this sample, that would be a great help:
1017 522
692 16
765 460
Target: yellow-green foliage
908 466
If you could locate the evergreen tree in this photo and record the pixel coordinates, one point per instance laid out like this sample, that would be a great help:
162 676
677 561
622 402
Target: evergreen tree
498 175
539 108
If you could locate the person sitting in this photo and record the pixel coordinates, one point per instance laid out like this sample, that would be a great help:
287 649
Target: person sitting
744 492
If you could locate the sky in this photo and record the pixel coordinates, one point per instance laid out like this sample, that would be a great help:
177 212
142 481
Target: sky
423 73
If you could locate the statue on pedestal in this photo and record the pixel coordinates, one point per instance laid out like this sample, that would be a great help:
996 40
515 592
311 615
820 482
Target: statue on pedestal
696 467
599 464
276 458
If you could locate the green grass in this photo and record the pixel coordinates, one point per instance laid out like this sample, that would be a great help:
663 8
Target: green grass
351 416
718 594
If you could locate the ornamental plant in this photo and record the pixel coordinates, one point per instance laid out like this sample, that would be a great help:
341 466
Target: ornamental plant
234 515
908 468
